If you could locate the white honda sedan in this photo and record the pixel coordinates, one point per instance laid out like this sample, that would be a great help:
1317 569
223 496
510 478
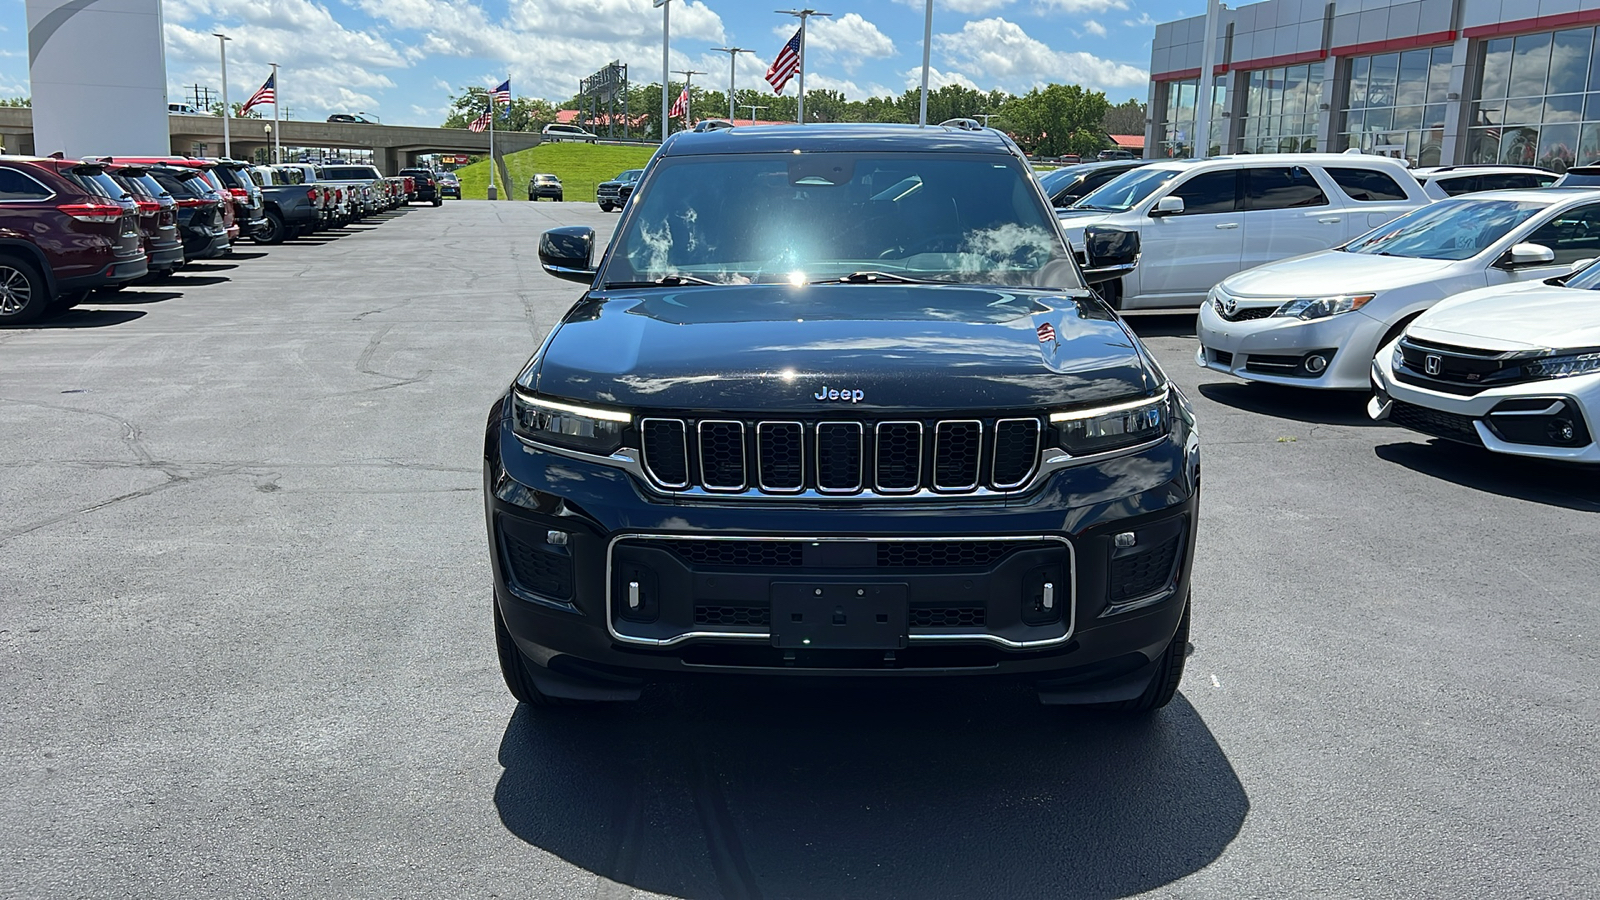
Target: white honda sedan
1316 321
1514 369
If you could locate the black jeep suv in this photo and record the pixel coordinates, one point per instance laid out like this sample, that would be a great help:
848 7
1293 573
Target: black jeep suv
838 402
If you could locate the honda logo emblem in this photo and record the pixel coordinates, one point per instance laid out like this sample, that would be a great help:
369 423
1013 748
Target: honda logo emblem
1430 364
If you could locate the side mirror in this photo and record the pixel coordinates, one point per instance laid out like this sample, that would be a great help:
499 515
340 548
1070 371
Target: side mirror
568 253
1522 256
1167 206
1109 253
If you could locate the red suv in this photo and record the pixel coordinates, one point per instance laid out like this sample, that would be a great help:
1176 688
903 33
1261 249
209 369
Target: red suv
207 169
66 228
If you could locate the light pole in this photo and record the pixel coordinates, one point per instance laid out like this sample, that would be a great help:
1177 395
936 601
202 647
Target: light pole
1204 90
733 59
227 143
666 63
927 52
688 80
802 15
270 151
752 107
277 89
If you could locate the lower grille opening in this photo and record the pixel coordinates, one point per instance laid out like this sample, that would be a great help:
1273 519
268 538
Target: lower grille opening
1450 426
923 616
732 615
1141 574
756 656
924 554
539 570
745 554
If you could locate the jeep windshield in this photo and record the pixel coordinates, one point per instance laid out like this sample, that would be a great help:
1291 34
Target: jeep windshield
1450 229
806 217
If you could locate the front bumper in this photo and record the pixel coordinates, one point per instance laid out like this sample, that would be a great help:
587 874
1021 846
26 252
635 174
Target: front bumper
647 587
1484 420
1280 350
450 192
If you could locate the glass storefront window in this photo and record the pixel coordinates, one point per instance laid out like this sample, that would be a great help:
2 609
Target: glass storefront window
1175 132
1395 104
1532 107
1280 111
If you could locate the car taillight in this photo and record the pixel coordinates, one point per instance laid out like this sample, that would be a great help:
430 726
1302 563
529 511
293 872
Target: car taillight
149 206
240 193
192 202
93 212
311 194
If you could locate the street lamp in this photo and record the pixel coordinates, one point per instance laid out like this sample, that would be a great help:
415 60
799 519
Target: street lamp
927 51
802 15
270 154
752 107
227 143
733 58
666 62
688 80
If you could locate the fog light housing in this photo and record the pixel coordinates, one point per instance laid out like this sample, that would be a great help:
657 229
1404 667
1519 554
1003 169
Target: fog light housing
1316 363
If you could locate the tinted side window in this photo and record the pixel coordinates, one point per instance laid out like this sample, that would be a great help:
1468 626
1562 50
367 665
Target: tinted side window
1213 192
1503 180
1287 187
16 186
1066 192
1573 235
1368 186
1454 187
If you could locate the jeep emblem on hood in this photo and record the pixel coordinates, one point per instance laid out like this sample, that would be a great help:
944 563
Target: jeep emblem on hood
851 396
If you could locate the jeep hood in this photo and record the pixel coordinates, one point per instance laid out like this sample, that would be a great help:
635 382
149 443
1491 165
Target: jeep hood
771 347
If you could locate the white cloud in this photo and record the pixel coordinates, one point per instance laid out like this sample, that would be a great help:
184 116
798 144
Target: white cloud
960 6
1092 29
1002 52
1080 6
846 41
1144 21
938 79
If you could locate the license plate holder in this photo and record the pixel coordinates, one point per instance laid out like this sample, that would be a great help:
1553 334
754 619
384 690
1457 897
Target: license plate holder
835 616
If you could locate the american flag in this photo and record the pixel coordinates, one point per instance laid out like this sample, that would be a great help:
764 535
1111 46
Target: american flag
267 94
1046 332
680 106
481 122
787 63
502 95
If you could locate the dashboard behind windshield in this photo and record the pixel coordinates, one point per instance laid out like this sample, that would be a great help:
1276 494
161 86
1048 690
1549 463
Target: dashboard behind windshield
751 218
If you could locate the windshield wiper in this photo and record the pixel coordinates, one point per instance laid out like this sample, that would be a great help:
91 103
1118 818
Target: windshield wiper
874 278
663 281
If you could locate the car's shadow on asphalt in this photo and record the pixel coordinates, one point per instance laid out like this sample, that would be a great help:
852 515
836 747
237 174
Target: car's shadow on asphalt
237 255
185 280
1568 486
134 295
1151 325
207 267
90 318
1295 404
925 791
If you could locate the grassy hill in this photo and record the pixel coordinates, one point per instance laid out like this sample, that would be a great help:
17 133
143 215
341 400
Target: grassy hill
579 166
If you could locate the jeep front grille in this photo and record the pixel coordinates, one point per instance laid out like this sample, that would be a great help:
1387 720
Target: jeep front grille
890 457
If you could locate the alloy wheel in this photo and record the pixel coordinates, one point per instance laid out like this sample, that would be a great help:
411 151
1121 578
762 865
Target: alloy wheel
15 291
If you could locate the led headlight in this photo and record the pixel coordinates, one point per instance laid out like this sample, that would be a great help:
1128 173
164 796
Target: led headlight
1086 431
1563 366
1323 307
568 425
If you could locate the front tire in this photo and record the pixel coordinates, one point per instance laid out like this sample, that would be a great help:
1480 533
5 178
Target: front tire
605 207
438 202
23 298
1111 293
514 669
1164 685
273 231
558 198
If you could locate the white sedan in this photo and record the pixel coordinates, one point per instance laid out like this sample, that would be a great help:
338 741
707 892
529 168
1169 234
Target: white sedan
1316 321
1512 369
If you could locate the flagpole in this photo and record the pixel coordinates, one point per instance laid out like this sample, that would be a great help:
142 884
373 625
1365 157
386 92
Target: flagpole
803 15
927 51
491 147
277 136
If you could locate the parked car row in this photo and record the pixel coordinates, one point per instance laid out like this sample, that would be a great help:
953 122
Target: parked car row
1471 318
69 227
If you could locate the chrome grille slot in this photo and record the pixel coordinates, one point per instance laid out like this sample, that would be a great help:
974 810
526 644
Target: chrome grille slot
839 452
1016 452
666 452
781 456
722 455
899 457
957 446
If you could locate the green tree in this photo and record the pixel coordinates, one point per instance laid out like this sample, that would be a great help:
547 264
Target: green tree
1058 119
238 110
17 101
1126 117
526 113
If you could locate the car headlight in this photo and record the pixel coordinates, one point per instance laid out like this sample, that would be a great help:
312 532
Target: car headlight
1085 431
563 424
1214 297
1398 359
1323 307
1563 366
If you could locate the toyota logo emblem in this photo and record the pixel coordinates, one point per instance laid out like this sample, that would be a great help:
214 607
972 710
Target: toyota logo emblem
1430 364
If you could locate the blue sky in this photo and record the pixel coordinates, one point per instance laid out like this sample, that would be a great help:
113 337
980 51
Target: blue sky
401 59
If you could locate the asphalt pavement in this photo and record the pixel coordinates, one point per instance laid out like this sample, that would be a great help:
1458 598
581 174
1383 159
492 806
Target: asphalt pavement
245 644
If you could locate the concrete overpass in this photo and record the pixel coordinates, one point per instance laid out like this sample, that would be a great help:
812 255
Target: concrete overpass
394 146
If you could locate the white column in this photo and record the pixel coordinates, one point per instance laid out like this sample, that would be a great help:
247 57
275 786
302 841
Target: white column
1208 65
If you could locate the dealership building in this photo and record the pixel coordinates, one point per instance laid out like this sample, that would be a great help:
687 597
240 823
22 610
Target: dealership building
1437 82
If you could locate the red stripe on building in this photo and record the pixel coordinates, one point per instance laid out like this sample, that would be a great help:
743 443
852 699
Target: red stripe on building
1400 43
1540 23
1272 62
1181 74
